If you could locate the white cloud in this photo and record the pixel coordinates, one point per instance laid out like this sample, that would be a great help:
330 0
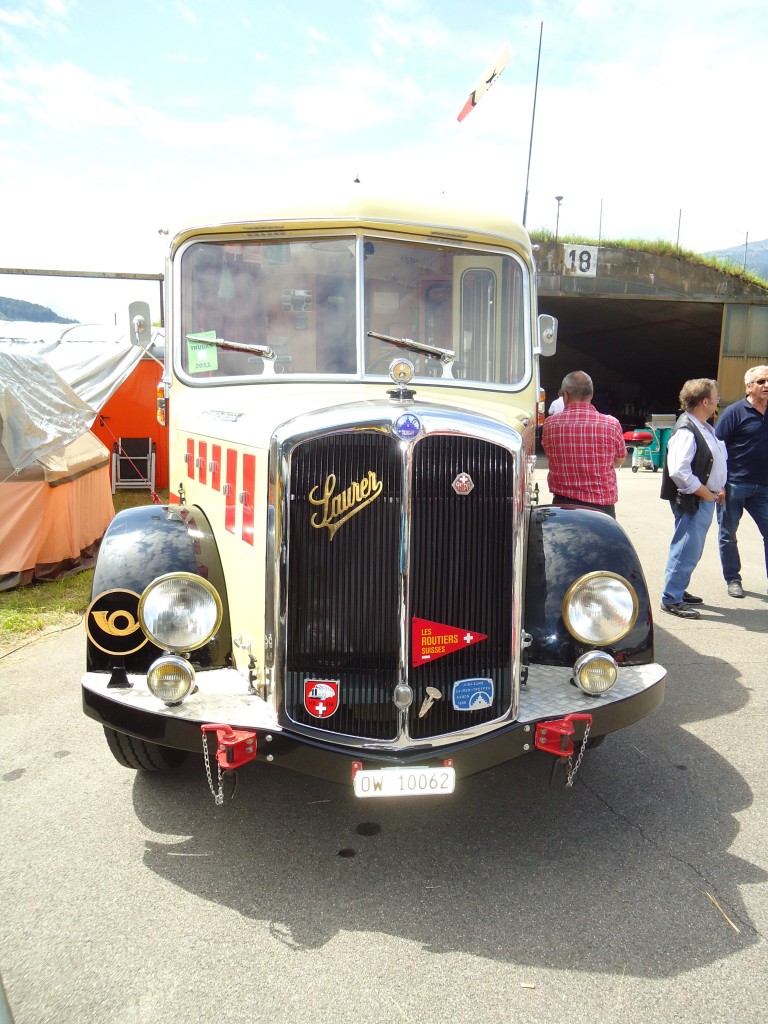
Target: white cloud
18 19
422 32
70 99
187 13
33 16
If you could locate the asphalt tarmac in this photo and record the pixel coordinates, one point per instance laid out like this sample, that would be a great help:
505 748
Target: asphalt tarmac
640 895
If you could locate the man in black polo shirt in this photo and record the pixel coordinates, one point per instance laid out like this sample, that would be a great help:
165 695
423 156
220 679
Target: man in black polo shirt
743 427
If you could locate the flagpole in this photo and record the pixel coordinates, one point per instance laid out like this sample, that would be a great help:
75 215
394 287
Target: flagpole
533 117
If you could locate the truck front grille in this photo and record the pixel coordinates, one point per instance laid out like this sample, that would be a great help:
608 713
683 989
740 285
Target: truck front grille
359 567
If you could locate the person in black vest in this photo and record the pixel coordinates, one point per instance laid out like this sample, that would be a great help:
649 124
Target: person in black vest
693 481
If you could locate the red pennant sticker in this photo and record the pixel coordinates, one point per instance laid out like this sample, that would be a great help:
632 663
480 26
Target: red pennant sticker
433 640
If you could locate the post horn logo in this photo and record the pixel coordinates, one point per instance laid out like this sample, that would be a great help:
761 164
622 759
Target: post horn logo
112 622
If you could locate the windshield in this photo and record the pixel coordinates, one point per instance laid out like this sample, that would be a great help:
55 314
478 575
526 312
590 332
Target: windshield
260 308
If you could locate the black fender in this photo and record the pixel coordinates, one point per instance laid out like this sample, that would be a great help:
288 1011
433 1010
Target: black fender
140 545
564 543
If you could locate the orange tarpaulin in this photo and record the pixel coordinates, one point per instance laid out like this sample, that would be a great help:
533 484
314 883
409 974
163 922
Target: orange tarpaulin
44 527
131 412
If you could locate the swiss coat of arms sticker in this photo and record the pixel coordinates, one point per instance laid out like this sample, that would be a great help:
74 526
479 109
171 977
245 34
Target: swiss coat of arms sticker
321 697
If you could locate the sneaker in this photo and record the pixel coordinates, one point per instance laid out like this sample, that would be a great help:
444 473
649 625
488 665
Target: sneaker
691 598
683 611
735 588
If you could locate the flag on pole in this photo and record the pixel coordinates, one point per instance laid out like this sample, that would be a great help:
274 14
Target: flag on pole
486 80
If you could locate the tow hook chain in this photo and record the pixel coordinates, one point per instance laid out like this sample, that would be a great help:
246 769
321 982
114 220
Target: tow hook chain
572 768
218 797
555 738
234 747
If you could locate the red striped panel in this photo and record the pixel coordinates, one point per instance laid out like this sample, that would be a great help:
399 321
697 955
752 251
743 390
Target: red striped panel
202 454
216 471
249 485
231 497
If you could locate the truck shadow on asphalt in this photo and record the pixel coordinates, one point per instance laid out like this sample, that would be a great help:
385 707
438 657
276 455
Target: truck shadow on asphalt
635 857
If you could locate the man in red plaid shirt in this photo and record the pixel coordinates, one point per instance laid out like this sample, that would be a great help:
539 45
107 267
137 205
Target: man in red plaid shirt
584 449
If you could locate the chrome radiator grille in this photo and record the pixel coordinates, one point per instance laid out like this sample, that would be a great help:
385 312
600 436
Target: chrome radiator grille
359 568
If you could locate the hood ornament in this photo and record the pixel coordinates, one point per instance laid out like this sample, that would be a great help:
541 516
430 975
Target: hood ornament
401 373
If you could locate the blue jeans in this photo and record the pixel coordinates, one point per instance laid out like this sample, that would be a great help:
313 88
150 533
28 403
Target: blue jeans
686 549
740 497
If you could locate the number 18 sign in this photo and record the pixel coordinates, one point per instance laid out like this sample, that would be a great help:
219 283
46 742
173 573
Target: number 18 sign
580 260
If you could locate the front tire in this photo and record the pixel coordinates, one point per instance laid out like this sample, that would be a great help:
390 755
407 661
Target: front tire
140 755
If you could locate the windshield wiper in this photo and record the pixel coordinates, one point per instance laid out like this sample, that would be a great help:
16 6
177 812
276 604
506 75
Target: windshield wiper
445 355
264 351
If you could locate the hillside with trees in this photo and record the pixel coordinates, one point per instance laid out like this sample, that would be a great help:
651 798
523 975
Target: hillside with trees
18 309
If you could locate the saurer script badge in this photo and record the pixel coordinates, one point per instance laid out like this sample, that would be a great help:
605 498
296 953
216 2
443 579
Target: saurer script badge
335 508
432 640
321 697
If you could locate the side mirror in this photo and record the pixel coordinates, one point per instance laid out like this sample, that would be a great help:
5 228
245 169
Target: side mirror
140 325
547 340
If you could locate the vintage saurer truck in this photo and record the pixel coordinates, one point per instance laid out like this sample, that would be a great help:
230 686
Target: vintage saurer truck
353 577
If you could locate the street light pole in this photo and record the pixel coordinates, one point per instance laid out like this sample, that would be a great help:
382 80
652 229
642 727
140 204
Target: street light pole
557 222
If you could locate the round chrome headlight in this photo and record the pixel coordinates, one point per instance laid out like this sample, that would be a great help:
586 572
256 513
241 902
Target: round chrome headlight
595 672
600 608
180 611
171 679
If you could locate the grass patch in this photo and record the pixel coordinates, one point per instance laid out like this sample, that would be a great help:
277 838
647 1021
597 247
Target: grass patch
659 247
28 613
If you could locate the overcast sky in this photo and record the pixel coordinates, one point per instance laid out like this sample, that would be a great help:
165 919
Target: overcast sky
118 120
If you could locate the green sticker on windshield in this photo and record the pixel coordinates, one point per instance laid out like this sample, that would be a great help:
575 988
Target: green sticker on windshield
202 357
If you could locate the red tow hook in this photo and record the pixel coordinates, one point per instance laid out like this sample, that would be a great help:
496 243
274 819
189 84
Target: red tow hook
234 747
555 737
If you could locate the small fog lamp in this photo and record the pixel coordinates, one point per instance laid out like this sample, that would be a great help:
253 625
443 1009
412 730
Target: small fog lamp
595 672
171 679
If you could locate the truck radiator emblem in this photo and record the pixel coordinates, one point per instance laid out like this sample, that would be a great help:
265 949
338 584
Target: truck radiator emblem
338 508
463 483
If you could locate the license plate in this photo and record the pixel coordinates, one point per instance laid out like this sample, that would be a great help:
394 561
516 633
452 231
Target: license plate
370 782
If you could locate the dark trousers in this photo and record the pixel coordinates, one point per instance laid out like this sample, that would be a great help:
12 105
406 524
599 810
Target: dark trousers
560 499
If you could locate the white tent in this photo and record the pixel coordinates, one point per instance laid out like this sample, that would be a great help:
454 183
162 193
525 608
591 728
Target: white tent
55 491
54 379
